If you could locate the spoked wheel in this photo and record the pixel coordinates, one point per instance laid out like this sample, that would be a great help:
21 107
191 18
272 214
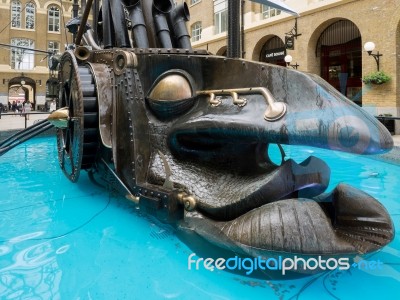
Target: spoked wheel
78 142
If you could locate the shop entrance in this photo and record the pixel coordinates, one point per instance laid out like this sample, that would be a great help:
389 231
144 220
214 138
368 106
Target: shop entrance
339 48
274 52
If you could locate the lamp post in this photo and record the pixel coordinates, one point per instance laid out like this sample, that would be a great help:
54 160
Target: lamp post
234 22
288 59
369 47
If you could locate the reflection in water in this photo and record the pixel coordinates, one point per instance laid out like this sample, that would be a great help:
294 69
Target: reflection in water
29 272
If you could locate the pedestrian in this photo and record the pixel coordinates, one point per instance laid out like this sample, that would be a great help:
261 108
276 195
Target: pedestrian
14 107
27 108
20 108
53 106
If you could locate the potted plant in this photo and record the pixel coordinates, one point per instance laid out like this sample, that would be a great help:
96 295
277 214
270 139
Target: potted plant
378 77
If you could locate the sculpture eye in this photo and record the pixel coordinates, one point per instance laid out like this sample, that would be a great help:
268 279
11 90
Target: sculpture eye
171 95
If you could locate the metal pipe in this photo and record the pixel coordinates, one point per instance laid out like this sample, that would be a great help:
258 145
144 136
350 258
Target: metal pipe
161 8
89 39
95 18
274 111
139 31
107 36
242 29
233 29
26 48
121 36
177 19
83 22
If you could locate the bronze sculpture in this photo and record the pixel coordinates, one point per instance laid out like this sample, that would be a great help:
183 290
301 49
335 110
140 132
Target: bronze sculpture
185 135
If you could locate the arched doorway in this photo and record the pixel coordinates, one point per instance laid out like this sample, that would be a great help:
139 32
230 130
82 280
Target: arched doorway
21 89
52 92
273 51
339 48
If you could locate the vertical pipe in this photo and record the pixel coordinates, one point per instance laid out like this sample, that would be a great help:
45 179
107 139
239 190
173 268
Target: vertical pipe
106 25
233 29
121 36
75 9
177 21
95 18
147 8
161 8
139 31
242 29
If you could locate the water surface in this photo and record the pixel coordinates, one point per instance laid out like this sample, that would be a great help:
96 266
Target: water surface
60 240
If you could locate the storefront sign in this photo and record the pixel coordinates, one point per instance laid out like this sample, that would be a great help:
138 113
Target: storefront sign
289 42
275 54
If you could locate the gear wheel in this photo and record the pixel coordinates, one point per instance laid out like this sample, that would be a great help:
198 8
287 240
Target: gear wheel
79 141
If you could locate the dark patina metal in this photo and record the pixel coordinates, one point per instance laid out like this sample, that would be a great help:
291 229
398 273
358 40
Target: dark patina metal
184 134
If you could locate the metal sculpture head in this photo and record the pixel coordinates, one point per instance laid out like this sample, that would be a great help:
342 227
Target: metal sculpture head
185 135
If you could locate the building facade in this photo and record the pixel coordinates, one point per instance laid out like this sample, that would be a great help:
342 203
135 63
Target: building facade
327 39
33 24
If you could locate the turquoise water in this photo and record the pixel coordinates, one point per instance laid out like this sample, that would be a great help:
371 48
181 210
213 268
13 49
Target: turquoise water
60 240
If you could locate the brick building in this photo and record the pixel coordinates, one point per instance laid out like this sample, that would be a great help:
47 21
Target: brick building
331 36
36 24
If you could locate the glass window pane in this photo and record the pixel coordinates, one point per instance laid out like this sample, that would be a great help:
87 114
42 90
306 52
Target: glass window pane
30 16
16 14
54 19
22 59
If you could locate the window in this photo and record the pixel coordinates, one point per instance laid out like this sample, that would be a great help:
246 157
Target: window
22 59
220 16
194 1
53 46
16 14
54 19
30 16
196 31
269 12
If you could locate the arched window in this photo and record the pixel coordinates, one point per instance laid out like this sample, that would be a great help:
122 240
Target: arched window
54 19
30 16
196 31
22 59
16 14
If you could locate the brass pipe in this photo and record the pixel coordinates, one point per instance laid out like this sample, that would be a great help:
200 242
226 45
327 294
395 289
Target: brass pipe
275 110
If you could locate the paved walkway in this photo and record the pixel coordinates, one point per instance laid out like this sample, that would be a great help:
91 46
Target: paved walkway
9 121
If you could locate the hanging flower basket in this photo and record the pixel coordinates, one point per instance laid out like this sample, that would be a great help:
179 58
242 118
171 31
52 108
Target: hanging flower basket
376 78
